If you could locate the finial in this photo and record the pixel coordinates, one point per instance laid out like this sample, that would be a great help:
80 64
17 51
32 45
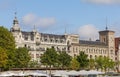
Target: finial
15 14
106 24
34 29
15 21
65 31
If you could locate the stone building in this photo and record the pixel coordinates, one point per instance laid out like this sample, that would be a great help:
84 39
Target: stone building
117 52
37 43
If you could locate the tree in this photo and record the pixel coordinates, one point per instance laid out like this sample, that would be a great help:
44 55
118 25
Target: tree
7 42
91 63
99 62
64 59
104 63
22 57
83 60
74 64
49 58
33 64
110 64
3 58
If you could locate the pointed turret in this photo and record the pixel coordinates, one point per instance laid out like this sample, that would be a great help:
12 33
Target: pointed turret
15 26
34 29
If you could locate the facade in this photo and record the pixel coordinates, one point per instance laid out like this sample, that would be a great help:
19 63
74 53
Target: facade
117 52
117 45
37 43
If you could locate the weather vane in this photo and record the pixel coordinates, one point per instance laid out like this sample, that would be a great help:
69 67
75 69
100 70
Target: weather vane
15 14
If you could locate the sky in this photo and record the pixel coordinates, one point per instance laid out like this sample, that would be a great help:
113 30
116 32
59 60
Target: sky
83 17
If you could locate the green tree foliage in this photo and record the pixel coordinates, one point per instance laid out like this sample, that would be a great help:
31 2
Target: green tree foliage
99 62
6 39
64 59
74 65
50 57
111 64
91 63
83 60
22 57
108 64
33 64
7 42
104 63
3 58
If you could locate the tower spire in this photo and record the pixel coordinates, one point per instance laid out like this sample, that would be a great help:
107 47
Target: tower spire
65 30
106 24
15 14
15 24
15 21
34 28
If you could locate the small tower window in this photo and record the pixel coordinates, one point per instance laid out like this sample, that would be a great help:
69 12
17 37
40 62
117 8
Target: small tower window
104 40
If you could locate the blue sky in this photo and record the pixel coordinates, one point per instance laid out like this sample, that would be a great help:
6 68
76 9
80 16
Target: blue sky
83 17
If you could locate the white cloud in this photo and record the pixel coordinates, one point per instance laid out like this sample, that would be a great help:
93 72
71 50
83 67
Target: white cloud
88 31
32 19
103 1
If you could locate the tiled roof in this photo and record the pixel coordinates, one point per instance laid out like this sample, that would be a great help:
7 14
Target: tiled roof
52 35
45 35
91 42
26 33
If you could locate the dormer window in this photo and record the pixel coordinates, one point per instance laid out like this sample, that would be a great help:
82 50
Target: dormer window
26 38
104 40
51 40
56 41
45 40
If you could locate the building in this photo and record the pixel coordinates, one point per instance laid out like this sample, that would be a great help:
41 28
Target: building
37 43
117 44
117 52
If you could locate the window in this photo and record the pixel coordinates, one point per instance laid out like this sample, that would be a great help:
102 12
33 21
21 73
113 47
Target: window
51 40
26 38
45 40
95 56
25 45
37 55
90 56
32 38
111 51
56 41
37 38
104 40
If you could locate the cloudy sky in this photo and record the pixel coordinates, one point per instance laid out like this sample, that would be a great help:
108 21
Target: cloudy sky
83 17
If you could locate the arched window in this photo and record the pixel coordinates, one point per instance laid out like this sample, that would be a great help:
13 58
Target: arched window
90 56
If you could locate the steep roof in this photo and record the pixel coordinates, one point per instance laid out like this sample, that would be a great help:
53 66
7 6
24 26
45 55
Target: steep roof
52 35
84 42
26 33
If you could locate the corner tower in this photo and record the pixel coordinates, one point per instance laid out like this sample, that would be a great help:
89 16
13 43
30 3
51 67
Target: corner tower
15 30
15 27
107 37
